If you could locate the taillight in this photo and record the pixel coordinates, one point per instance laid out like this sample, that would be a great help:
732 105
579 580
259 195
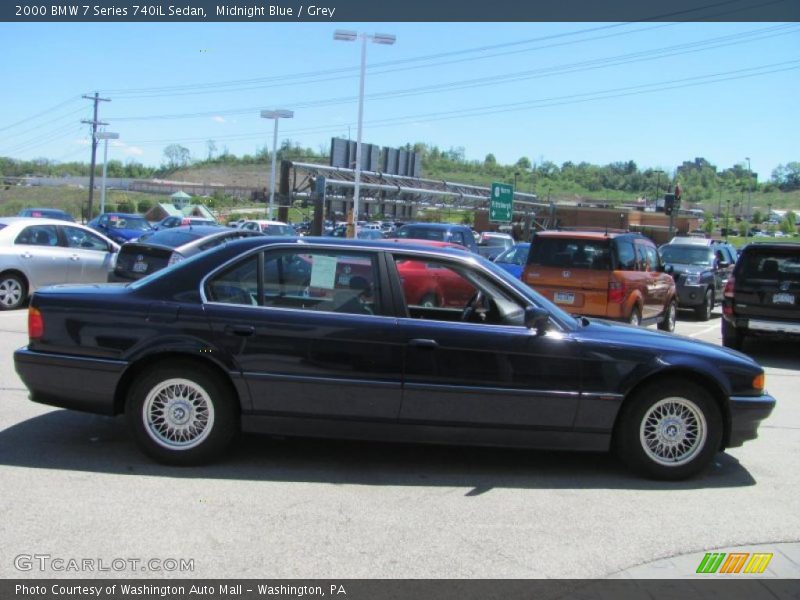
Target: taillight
35 324
616 292
728 292
175 258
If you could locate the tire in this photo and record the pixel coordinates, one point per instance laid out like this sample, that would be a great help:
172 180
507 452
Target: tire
429 301
670 316
669 431
731 336
635 317
703 312
13 291
181 415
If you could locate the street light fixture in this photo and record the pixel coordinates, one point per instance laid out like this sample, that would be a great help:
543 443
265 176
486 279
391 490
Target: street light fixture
377 38
276 114
105 135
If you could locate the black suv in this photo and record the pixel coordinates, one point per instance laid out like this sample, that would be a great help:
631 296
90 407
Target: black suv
701 269
761 297
441 232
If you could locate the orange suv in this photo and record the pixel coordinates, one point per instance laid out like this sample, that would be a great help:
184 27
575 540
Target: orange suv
606 274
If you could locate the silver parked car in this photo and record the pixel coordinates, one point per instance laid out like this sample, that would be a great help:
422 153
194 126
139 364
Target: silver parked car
37 252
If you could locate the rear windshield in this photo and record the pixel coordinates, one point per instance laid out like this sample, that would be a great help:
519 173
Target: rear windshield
133 223
773 266
278 230
171 238
570 253
421 233
686 255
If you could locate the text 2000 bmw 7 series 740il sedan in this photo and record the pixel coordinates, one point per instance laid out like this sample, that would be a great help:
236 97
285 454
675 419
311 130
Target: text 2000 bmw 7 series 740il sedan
315 337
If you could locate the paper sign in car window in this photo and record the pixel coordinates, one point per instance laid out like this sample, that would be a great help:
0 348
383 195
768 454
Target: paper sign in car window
323 272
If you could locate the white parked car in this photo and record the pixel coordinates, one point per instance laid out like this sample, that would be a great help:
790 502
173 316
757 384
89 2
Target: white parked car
269 227
39 252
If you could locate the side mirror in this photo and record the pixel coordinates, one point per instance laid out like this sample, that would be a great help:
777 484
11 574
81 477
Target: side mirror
537 318
668 269
723 264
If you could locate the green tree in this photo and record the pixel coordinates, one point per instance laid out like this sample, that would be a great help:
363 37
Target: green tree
177 156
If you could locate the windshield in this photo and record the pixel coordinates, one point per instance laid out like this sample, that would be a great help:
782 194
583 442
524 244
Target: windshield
133 223
565 319
686 255
516 255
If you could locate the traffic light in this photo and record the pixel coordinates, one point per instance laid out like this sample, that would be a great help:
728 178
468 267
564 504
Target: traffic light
669 203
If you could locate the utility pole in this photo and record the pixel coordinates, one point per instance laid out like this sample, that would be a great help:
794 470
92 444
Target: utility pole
94 123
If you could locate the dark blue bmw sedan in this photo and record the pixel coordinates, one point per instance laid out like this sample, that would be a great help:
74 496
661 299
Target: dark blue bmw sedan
316 337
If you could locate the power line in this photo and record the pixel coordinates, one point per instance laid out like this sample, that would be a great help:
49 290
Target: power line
590 65
37 115
528 104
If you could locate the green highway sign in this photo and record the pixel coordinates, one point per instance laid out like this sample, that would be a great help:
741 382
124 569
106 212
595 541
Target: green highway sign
501 203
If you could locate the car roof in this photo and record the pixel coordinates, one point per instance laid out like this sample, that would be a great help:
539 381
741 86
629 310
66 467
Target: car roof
34 221
119 214
46 208
585 234
434 225
265 222
434 243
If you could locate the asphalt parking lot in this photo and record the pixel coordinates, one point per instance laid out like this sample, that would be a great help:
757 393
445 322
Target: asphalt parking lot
73 486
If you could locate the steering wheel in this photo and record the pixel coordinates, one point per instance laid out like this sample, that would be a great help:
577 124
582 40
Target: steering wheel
470 310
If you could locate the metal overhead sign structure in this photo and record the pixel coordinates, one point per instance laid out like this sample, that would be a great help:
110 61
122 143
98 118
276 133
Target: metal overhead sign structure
501 203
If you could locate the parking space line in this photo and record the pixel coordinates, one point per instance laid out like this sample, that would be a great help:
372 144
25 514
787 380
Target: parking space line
708 329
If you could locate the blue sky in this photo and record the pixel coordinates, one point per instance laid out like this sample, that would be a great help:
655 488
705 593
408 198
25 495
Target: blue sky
655 93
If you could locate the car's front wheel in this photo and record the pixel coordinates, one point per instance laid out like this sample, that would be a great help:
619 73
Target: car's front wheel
669 430
181 415
703 311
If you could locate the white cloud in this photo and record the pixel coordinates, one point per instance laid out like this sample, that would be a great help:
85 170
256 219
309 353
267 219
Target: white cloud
83 142
133 151
219 119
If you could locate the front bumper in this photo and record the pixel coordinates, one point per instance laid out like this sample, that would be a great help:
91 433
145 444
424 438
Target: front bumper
747 412
74 382
691 295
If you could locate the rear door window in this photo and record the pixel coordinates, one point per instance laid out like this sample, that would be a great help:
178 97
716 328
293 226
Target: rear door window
770 267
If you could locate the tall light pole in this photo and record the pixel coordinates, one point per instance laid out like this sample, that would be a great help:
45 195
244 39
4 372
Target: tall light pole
377 38
105 136
749 187
658 184
276 115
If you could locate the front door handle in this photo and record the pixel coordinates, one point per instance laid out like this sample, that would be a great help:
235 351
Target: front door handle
423 343
241 330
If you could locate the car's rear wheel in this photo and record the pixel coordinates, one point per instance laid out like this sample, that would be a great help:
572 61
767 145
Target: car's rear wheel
635 317
669 430
13 291
731 336
667 323
703 312
181 415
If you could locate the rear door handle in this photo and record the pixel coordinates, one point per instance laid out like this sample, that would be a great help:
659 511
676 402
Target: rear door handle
241 330
423 343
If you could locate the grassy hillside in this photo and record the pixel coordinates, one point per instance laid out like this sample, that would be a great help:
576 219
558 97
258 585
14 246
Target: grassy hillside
70 199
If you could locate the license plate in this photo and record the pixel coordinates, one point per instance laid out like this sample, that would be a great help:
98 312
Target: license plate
139 267
564 298
783 298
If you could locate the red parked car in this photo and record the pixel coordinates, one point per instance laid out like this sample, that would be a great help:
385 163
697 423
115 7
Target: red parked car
429 285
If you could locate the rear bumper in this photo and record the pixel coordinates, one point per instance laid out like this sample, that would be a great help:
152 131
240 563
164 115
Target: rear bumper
747 412
77 383
768 327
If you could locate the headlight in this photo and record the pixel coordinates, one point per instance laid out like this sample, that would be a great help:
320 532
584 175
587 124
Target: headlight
692 279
